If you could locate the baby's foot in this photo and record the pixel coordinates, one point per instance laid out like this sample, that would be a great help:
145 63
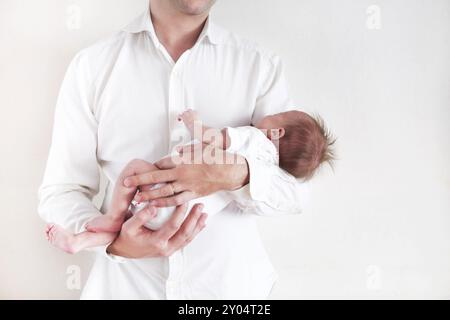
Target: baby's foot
61 238
189 117
105 223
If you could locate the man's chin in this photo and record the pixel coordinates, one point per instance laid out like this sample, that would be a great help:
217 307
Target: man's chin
195 10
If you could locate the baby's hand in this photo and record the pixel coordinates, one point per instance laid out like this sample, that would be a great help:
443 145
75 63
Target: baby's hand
189 117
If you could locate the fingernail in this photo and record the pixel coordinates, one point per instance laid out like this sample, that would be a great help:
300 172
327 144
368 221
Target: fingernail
127 182
201 206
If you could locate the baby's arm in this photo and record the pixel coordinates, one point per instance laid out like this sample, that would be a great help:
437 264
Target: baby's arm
211 136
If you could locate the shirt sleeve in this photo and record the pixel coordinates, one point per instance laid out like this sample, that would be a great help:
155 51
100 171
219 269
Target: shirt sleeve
72 175
271 190
237 138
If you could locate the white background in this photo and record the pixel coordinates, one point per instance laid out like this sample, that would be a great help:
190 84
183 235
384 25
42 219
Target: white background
378 227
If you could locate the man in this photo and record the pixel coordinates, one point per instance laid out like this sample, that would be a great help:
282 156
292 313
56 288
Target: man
120 100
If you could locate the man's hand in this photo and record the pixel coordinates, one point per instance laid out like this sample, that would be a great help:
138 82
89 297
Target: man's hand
189 178
136 241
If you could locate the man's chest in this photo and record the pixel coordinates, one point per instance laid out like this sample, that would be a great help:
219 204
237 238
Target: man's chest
141 98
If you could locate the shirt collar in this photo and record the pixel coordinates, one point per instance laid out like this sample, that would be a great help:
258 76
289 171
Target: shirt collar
143 23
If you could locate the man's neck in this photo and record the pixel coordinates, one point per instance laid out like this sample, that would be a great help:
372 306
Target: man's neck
176 31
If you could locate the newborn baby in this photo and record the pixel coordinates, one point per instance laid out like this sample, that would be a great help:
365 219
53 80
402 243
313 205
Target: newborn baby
295 141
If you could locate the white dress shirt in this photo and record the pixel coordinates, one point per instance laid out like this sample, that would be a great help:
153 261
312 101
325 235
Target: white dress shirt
119 101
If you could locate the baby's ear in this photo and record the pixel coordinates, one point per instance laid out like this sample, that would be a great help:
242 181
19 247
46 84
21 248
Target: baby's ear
276 134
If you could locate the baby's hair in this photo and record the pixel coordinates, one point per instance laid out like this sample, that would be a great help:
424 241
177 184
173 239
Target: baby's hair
306 145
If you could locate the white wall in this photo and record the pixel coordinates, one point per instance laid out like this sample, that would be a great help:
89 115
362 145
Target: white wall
378 227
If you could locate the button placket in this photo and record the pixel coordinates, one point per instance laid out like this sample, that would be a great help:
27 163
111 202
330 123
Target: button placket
177 131
177 134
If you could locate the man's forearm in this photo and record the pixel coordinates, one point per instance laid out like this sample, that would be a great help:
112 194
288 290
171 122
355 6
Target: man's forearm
237 175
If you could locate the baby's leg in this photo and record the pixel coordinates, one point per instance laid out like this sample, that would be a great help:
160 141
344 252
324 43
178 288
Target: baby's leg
211 136
122 196
73 243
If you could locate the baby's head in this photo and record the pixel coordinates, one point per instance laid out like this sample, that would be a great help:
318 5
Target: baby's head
303 141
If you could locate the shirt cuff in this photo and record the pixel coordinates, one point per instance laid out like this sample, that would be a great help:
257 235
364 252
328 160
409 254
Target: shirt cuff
102 251
242 194
259 173
256 189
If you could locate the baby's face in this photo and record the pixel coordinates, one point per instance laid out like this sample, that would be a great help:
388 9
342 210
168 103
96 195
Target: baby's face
277 121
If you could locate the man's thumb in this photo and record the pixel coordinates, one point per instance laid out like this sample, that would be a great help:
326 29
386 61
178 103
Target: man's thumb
141 217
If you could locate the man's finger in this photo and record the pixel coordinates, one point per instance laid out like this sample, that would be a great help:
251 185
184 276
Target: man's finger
137 221
175 200
146 187
166 190
167 162
152 177
186 231
190 148
171 226
201 224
